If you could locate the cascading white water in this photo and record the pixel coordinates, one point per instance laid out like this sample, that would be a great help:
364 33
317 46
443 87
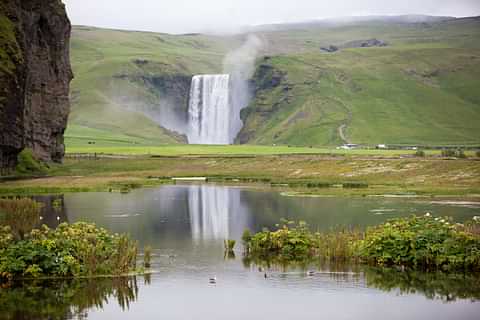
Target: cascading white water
209 112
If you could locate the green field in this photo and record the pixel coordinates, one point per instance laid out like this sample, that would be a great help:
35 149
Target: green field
181 150
420 89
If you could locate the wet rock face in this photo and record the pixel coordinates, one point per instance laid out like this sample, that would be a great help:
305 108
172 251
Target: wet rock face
34 104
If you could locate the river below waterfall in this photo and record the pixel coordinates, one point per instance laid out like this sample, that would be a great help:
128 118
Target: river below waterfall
186 226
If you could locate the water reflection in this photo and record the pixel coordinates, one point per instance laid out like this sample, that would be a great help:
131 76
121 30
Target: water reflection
65 299
186 226
215 212
436 285
446 287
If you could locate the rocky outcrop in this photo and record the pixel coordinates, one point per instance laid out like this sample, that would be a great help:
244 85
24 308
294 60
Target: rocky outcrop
265 79
35 75
356 44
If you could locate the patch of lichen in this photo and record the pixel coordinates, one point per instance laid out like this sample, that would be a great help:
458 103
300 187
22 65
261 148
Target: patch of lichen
10 52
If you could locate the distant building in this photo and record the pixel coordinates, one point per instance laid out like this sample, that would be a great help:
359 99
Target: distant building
348 146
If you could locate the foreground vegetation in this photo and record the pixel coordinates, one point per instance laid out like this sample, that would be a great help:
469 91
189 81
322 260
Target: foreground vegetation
419 243
80 249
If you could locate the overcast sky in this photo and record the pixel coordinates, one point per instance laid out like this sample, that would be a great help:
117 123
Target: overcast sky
181 16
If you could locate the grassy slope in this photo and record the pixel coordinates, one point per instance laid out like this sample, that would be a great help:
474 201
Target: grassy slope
98 55
421 89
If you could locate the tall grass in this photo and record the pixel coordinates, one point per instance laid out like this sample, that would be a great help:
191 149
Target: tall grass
22 215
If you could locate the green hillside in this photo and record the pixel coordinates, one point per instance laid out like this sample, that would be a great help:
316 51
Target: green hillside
422 88
114 71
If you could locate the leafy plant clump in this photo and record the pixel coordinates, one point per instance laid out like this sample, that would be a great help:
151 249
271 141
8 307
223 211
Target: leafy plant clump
28 165
425 243
420 153
422 243
79 249
295 242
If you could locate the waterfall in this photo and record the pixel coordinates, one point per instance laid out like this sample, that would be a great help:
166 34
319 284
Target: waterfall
210 117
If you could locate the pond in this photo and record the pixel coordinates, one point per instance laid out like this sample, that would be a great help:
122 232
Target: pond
187 224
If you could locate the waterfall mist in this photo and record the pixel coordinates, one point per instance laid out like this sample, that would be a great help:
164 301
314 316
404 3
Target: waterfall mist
240 64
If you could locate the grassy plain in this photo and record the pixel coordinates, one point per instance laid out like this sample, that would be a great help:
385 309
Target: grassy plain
308 173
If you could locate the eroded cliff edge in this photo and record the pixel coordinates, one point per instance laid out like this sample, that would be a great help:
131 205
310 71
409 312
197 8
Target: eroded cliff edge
35 76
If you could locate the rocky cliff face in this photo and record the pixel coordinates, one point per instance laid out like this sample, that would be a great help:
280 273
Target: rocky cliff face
35 75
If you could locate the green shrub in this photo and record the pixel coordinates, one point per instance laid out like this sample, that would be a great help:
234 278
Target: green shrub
355 185
448 153
477 153
80 249
21 215
421 242
28 165
289 242
420 153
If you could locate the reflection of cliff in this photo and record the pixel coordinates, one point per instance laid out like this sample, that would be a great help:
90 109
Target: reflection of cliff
53 210
34 78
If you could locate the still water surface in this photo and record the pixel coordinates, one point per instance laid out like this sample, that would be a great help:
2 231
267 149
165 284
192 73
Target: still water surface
186 226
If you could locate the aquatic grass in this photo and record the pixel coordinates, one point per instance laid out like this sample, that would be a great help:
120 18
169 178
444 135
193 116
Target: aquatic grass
147 257
21 215
229 245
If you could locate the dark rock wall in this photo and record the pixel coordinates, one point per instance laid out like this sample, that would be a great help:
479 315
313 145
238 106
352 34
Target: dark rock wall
266 78
35 76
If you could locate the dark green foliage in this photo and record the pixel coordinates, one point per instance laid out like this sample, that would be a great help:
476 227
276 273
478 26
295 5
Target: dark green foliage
319 185
477 154
21 215
28 165
448 153
420 153
80 249
355 185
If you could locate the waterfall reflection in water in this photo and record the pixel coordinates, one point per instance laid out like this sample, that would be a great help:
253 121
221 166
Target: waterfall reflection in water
215 212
